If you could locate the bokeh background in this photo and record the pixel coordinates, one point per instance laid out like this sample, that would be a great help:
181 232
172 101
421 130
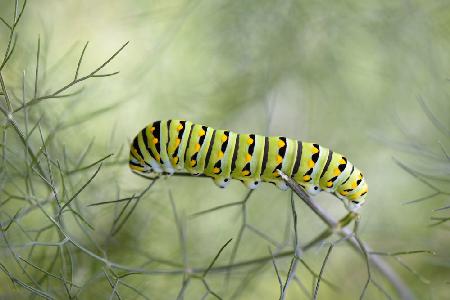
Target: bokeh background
366 78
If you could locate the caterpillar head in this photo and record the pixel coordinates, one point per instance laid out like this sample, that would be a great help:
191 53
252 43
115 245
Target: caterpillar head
136 161
138 165
353 191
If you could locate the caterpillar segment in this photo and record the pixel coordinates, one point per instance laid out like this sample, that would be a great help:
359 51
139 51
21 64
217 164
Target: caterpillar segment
246 163
312 163
221 155
181 146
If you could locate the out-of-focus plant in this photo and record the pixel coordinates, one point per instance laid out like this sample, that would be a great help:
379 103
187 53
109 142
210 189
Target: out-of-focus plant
432 168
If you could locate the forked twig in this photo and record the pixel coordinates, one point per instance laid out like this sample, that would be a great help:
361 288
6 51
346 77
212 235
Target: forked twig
76 80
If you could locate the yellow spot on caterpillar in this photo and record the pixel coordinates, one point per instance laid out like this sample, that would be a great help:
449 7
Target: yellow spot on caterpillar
224 138
276 174
250 141
155 141
336 172
175 159
342 161
248 157
344 193
329 184
245 172
193 162
157 157
179 127
306 178
152 129
177 142
360 176
197 147
310 163
315 150
279 159
354 184
201 132
220 154
281 144
216 170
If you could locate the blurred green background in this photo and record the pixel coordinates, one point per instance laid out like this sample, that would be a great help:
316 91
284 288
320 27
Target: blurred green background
364 78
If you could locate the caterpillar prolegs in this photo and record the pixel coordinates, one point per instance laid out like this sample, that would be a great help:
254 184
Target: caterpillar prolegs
181 146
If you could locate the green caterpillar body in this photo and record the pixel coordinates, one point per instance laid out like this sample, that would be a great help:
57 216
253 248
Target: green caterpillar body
181 146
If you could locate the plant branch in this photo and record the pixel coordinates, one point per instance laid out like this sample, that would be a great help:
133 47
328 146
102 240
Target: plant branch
403 291
76 79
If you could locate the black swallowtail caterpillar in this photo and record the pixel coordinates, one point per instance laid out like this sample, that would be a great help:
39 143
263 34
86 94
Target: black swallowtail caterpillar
176 146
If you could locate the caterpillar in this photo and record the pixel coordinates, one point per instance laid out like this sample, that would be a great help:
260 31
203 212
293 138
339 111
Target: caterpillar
181 146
